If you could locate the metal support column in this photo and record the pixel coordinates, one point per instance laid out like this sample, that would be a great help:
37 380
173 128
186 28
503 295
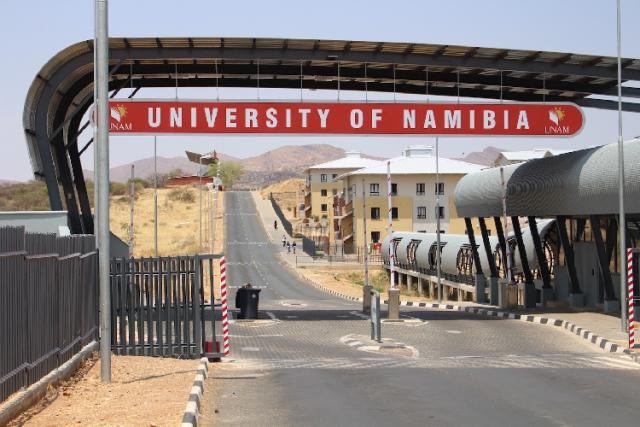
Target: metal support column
493 280
609 294
568 255
529 287
479 275
547 290
501 241
104 250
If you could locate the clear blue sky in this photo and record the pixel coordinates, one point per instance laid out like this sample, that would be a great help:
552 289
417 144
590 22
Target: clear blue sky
32 31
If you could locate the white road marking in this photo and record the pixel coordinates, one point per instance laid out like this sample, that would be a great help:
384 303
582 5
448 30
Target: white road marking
271 315
250 349
360 315
454 332
291 317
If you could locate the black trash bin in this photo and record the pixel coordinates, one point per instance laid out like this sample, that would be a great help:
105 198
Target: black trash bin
247 299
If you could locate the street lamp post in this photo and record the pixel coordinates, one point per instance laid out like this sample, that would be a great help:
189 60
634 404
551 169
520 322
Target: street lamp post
102 183
622 224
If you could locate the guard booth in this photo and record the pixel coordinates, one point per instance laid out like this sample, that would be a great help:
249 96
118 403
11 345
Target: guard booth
164 306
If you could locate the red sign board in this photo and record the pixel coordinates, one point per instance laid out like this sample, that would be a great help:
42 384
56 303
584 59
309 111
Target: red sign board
357 118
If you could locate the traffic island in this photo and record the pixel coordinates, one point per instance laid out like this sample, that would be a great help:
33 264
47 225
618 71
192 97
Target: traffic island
388 346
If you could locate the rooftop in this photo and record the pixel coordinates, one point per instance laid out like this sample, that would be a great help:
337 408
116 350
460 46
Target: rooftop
351 160
417 160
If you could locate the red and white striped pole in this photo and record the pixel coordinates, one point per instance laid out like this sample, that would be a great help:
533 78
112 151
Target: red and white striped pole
631 317
392 261
226 344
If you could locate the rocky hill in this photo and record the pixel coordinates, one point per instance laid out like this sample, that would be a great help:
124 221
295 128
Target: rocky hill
284 162
485 157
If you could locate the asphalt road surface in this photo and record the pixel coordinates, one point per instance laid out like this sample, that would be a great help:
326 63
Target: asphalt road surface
299 366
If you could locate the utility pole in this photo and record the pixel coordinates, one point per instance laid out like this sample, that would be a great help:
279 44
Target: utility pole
393 312
622 223
132 198
438 248
102 183
155 197
200 209
366 289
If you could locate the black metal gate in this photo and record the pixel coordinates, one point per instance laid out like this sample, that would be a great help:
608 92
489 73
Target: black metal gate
158 306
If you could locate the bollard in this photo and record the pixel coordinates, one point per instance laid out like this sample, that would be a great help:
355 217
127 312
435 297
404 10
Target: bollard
376 321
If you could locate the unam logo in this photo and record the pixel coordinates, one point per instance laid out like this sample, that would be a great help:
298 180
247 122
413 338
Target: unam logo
556 116
118 113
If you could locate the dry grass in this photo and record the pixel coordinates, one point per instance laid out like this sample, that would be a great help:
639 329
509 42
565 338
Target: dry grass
144 391
285 193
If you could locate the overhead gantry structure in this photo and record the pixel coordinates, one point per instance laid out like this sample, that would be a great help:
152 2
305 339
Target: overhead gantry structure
62 91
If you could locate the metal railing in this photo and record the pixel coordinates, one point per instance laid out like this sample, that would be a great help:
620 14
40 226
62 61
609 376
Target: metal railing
48 303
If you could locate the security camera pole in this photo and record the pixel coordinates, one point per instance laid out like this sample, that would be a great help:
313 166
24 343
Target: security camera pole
102 147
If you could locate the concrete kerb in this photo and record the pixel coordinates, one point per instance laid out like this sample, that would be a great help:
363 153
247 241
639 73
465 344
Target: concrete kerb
192 412
584 333
23 400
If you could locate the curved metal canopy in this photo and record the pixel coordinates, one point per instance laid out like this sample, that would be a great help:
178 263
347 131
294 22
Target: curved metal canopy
63 89
579 183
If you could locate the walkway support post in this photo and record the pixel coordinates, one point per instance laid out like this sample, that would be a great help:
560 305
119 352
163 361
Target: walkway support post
102 147
367 288
529 287
394 293
479 281
493 279
547 290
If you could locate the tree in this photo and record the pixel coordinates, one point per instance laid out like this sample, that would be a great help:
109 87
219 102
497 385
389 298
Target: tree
230 172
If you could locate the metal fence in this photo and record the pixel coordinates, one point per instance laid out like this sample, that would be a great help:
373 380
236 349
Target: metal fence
48 303
158 305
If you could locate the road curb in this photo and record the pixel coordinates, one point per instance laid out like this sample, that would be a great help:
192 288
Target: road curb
29 397
600 342
192 412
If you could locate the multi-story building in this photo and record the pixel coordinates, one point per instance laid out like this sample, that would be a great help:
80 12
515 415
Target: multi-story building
414 189
324 191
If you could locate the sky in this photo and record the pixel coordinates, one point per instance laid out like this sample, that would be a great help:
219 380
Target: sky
31 32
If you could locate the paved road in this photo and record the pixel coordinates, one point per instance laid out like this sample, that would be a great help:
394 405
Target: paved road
296 368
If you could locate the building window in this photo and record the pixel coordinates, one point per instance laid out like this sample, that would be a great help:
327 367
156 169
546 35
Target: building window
375 236
334 176
323 177
323 193
422 212
334 192
323 207
420 189
374 189
439 189
394 189
375 213
440 212
394 213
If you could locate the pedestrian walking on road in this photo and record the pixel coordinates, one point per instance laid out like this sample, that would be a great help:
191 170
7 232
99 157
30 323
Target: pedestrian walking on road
284 241
288 247
275 224
294 246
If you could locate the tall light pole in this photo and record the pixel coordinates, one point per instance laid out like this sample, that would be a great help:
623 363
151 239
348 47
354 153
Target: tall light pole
622 224
366 290
155 196
102 147
393 312
438 260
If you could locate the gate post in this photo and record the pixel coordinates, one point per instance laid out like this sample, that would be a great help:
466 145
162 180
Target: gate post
198 304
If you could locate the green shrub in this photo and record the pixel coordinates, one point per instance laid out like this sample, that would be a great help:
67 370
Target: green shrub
181 194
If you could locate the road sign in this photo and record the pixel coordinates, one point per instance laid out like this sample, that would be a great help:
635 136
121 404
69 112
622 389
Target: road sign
344 118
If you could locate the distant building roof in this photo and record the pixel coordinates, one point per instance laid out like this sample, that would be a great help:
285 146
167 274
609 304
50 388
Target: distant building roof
523 156
418 159
351 160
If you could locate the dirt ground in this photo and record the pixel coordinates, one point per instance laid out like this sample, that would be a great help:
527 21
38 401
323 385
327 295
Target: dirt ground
178 221
285 193
350 281
145 391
